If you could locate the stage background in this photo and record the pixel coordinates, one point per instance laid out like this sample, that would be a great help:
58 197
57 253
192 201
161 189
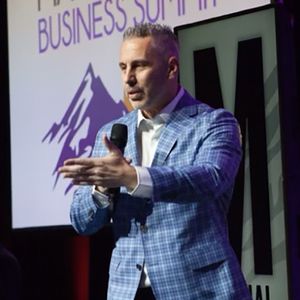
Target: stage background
65 84
55 263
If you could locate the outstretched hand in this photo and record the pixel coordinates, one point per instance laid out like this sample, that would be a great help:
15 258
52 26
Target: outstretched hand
112 170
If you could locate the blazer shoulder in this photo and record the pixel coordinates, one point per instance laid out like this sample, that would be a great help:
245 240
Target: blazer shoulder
195 106
212 115
206 109
205 113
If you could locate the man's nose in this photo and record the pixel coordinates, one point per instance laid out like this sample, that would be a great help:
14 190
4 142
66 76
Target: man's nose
130 79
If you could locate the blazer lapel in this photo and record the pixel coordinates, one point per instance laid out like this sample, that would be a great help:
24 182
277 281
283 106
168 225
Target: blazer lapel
131 150
176 124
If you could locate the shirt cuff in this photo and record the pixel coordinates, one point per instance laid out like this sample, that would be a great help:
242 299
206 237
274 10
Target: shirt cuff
144 187
101 200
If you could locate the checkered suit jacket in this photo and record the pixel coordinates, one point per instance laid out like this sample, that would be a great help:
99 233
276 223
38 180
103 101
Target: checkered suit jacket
181 233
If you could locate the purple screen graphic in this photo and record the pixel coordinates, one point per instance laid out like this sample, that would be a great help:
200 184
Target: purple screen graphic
91 107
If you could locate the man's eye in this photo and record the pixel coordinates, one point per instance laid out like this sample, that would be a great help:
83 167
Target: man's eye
122 66
141 65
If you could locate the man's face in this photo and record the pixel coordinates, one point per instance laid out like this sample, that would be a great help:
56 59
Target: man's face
144 74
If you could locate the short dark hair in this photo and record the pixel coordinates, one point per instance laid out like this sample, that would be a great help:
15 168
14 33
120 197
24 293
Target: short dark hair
163 33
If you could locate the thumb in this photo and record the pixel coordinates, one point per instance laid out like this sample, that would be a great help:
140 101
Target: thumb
112 149
128 160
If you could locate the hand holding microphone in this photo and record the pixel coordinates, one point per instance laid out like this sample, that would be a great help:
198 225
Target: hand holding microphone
118 138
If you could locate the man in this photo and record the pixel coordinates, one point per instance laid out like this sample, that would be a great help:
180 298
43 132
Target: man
176 179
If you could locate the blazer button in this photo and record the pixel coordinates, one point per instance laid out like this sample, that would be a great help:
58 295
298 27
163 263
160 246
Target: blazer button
139 267
144 228
91 215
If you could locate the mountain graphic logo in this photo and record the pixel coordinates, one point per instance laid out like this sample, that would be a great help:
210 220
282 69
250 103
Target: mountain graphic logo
91 108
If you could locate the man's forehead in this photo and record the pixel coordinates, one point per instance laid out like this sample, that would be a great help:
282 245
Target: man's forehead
136 47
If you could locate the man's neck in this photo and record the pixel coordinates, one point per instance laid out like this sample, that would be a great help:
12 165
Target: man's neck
151 113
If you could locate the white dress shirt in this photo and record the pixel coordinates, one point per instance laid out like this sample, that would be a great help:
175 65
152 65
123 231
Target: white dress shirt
149 131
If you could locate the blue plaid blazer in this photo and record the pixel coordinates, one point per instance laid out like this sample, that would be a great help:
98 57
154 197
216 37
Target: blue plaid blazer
181 233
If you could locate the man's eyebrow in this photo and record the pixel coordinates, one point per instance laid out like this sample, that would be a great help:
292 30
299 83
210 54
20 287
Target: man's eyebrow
135 62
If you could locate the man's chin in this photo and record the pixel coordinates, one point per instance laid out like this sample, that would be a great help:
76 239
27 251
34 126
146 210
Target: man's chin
137 103
136 97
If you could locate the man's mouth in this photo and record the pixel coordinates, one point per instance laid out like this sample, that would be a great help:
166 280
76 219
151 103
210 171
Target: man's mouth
133 91
135 94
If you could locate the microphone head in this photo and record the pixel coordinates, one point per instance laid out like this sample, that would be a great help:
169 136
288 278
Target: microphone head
119 135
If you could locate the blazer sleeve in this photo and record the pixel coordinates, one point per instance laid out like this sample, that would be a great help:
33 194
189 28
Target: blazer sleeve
212 166
86 217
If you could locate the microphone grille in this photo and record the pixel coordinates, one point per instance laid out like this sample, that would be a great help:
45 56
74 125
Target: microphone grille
119 135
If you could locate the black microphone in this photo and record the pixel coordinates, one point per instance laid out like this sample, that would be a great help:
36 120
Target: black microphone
118 137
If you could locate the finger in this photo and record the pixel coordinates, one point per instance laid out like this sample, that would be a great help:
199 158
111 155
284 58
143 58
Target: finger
87 161
74 171
128 160
68 169
70 161
87 181
77 182
72 175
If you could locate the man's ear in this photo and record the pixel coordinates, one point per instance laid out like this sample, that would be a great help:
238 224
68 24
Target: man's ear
173 67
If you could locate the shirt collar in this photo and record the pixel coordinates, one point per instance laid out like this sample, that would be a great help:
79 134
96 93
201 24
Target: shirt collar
164 114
